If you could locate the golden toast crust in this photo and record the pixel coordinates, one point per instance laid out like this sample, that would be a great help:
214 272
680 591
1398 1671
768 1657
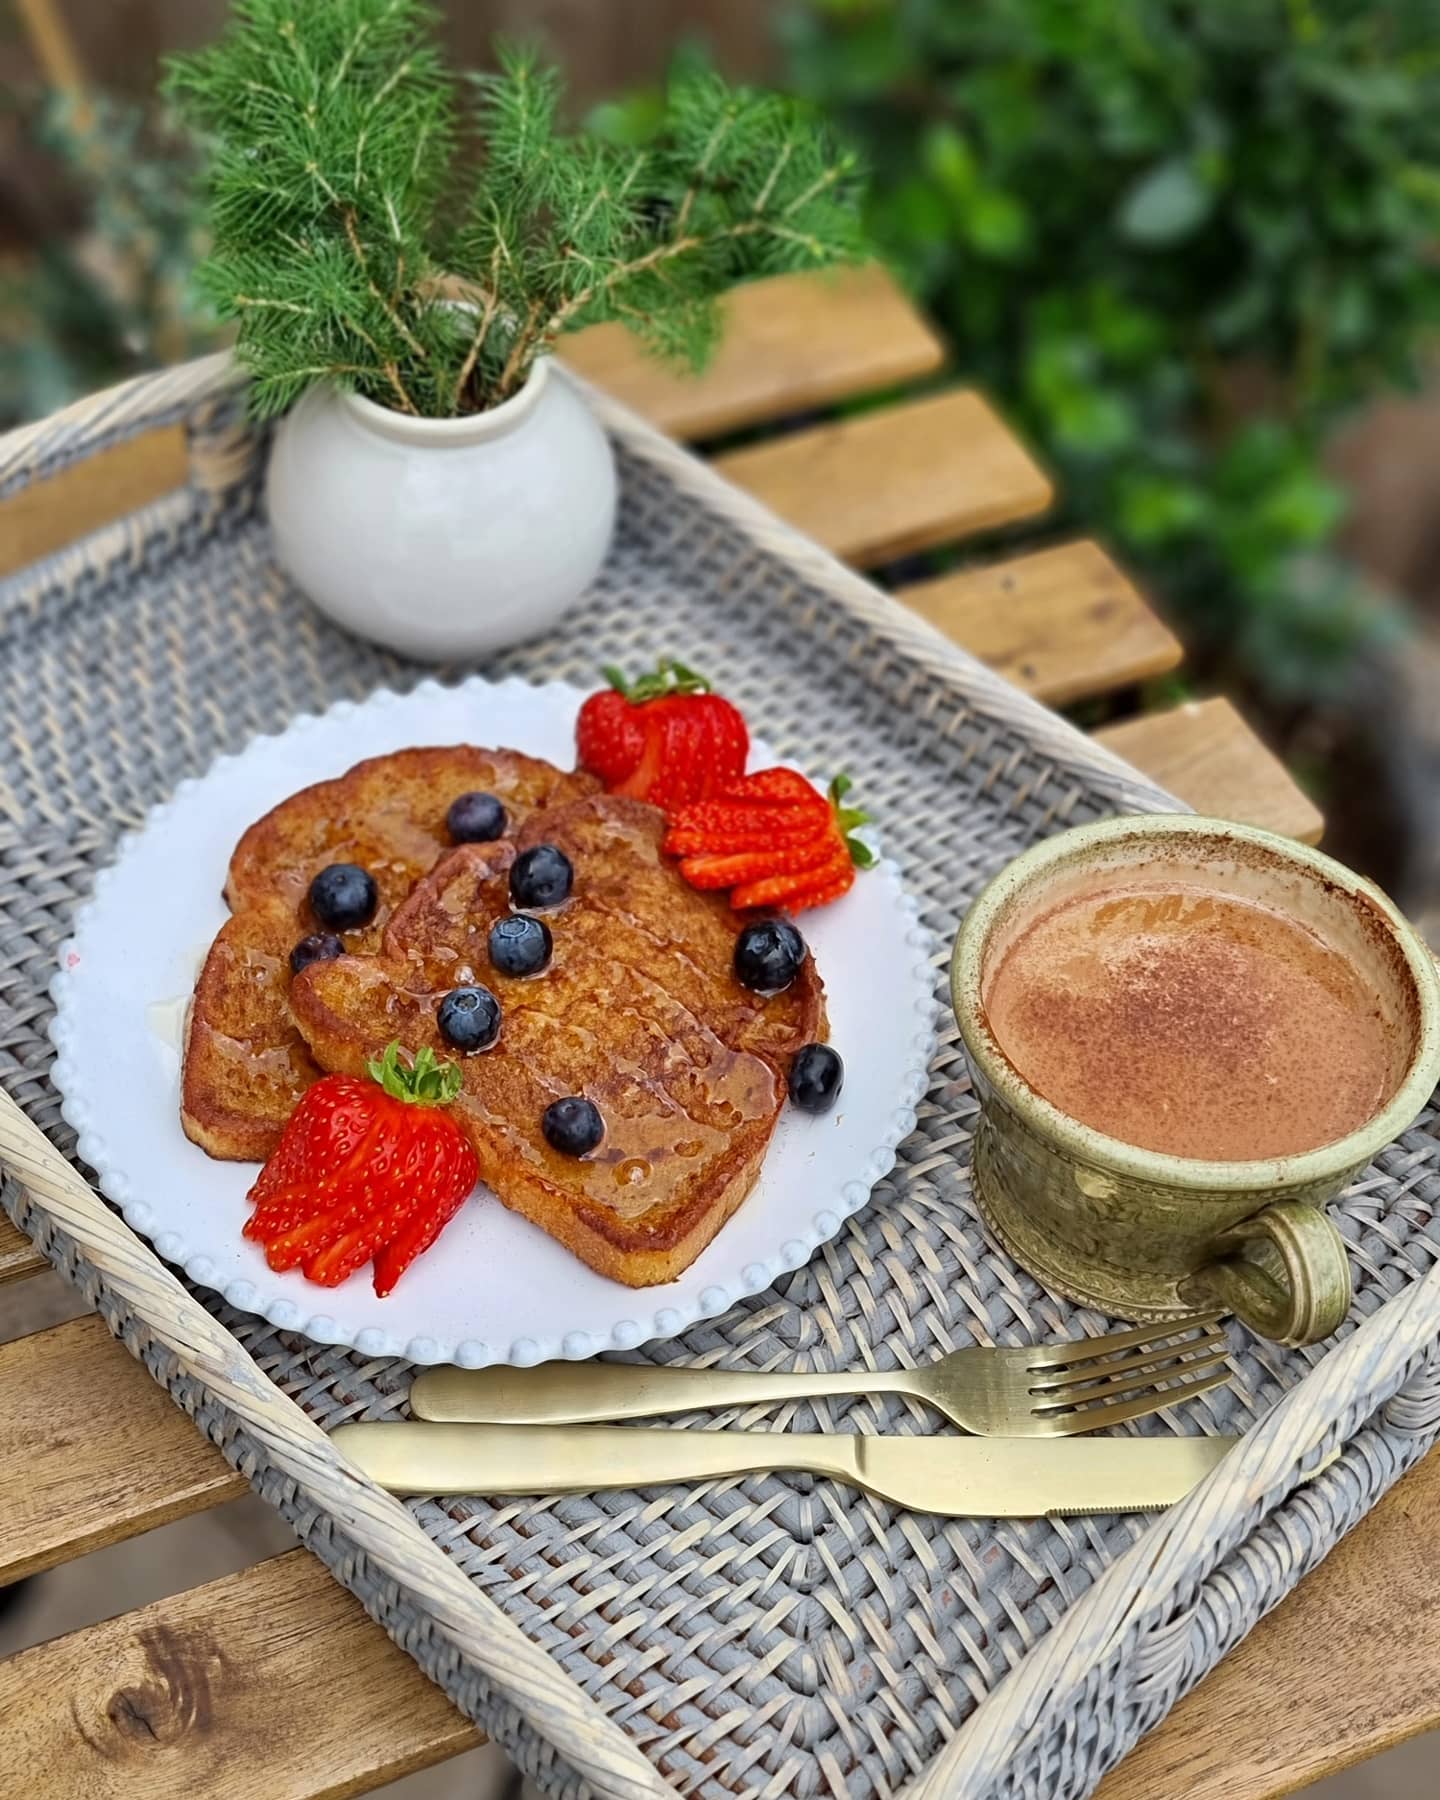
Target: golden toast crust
639 1010
245 1065
388 815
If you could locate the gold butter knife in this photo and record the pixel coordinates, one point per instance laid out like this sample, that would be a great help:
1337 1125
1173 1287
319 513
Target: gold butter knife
997 1478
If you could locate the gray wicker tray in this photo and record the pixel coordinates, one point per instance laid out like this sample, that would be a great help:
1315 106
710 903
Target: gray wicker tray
751 1638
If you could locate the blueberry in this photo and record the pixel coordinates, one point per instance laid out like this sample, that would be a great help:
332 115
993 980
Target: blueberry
320 946
344 896
541 876
520 945
769 956
469 1019
816 1077
476 819
573 1126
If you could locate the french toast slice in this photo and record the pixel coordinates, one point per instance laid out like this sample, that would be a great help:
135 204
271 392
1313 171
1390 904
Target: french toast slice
388 815
245 1065
639 1010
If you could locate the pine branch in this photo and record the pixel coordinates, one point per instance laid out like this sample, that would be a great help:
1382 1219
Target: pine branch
523 351
341 242
388 368
488 306
352 236
259 301
560 319
721 129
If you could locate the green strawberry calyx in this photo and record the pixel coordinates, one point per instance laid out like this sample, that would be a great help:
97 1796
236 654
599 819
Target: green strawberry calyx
422 1080
849 819
670 678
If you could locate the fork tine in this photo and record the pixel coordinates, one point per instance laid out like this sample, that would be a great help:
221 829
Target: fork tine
1096 1418
1073 1374
1050 1356
1058 1400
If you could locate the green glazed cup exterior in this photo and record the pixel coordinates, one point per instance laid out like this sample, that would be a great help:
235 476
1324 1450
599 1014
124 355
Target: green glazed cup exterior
1147 1236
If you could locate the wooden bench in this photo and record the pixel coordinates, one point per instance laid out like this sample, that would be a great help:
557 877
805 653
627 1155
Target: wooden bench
205 1693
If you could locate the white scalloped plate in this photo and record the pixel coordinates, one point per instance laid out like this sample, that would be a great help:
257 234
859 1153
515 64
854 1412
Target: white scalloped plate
495 1289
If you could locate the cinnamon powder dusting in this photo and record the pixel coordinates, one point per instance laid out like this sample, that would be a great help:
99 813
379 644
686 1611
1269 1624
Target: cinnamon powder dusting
1191 1022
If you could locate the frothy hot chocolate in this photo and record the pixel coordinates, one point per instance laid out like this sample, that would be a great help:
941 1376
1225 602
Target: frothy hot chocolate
1191 1022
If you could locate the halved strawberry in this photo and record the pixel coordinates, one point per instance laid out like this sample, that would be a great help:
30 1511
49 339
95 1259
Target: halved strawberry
665 738
609 737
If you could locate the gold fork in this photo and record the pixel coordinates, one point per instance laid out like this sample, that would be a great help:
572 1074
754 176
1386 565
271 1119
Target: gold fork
1051 1390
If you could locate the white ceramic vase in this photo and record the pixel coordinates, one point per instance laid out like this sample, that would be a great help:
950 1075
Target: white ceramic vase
443 538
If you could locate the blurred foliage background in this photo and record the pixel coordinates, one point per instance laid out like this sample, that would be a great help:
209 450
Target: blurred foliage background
1178 240
82 309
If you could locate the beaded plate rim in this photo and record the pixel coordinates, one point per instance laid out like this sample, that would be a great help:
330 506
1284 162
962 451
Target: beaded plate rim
831 1202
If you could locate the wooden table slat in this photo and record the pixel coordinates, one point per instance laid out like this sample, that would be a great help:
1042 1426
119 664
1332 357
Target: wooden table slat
268 1685
1207 755
896 480
64 507
793 342
1346 1666
18 1256
92 1450
213 1691
1063 623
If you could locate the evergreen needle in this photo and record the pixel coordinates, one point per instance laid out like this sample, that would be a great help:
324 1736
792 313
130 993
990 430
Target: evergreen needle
350 245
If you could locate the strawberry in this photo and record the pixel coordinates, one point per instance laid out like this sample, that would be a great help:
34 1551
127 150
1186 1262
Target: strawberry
365 1169
797 889
772 787
756 812
729 871
772 840
325 1134
609 737
413 1241
665 738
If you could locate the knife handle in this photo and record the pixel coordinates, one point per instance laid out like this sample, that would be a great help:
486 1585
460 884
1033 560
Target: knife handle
571 1393
428 1458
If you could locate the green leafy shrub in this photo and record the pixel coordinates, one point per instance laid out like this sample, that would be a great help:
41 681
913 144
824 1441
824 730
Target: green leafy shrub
76 315
1176 238
348 214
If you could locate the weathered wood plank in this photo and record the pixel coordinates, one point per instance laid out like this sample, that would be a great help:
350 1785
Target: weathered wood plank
91 1450
48 515
897 480
18 1256
267 1685
1063 623
793 342
1345 1667
604 1757
1205 753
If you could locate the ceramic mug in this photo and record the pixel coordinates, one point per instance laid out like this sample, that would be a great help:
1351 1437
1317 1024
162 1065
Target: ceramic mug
1147 1236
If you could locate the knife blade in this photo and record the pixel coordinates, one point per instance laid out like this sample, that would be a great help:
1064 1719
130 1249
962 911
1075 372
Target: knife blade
958 1477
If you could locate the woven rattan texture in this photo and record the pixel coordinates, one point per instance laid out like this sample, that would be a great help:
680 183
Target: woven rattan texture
758 1637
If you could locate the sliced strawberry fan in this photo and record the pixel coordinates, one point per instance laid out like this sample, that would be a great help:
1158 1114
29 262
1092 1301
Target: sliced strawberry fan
772 840
367 1170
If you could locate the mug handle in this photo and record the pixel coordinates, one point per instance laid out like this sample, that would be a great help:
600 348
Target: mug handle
1294 1287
